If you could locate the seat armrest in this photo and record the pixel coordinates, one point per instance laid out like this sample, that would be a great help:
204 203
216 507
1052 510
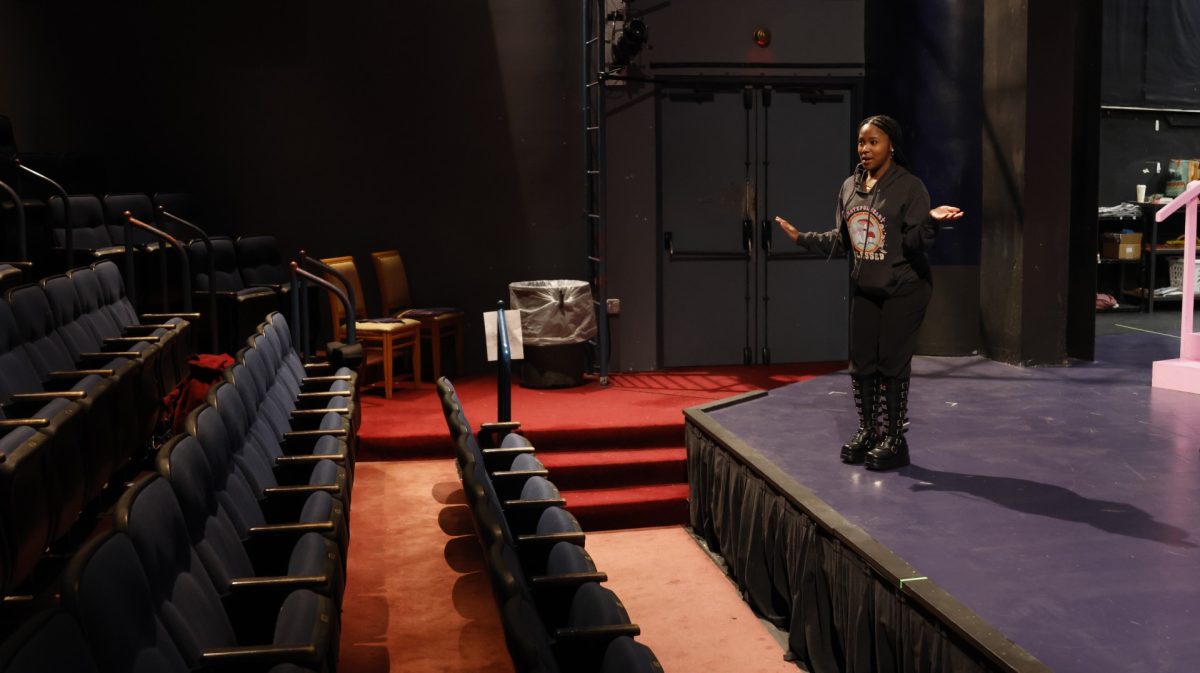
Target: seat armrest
508 451
245 655
193 315
321 411
310 458
551 539
23 422
500 425
111 354
288 581
292 528
567 579
79 373
300 434
131 339
48 395
596 633
302 489
534 504
324 393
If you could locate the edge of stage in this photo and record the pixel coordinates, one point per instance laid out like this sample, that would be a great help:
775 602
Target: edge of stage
804 536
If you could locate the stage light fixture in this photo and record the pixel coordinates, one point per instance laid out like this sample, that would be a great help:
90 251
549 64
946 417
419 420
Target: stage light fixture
633 36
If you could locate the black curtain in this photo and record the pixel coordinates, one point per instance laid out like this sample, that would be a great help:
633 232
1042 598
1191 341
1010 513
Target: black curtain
840 615
1150 53
1123 60
1173 53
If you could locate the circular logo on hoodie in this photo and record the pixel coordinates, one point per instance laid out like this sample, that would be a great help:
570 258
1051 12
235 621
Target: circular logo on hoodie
866 232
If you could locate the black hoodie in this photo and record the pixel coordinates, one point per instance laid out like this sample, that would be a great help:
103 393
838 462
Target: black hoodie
888 229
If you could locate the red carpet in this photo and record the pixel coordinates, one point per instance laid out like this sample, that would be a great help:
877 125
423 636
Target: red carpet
616 452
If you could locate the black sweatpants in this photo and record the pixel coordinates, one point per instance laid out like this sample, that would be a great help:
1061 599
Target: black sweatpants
883 329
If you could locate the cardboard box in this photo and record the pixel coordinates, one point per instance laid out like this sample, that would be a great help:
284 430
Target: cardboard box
1121 246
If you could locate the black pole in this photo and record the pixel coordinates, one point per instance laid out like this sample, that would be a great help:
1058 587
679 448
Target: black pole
212 273
296 315
504 360
130 276
185 264
20 207
68 226
351 336
305 310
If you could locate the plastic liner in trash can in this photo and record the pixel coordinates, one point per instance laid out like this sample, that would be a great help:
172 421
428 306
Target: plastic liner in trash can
557 320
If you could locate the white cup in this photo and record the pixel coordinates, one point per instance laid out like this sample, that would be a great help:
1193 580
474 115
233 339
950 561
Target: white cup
1141 193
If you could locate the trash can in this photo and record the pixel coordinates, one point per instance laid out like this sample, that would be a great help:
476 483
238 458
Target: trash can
557 320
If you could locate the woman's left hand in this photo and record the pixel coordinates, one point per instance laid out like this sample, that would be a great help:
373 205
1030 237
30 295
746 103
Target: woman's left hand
945 213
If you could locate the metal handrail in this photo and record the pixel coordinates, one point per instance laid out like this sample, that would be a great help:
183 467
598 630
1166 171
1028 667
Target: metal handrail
183 256
68 226
351 335
21 247
212 270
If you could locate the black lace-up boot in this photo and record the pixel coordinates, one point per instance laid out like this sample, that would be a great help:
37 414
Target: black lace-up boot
892 451
866 399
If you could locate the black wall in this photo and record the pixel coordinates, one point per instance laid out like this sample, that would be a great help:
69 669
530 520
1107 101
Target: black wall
447 130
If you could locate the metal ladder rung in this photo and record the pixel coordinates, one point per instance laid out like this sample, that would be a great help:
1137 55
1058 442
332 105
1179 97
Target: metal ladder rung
594 259
594 216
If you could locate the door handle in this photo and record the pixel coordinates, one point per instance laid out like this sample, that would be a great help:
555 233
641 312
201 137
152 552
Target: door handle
747 236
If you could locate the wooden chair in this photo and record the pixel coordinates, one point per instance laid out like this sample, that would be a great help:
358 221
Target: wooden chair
436 323
383 339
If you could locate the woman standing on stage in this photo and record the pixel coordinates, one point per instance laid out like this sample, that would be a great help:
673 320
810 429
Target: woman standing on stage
884 220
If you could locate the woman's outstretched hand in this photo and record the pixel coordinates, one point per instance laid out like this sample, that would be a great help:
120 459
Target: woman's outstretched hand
787 228
944 213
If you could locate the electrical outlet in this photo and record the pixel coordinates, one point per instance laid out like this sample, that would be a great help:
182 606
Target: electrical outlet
614 307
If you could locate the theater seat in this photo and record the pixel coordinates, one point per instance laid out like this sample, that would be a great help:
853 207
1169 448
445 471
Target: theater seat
49 641
261 263
228 549
106 590
10 277
90 233
240 308
289 625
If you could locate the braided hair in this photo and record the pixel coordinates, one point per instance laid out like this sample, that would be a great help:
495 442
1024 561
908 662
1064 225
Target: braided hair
891 128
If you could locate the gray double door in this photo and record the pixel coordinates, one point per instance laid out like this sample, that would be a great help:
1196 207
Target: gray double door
733 287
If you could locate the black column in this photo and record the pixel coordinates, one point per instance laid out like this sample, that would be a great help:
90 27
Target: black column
1040 103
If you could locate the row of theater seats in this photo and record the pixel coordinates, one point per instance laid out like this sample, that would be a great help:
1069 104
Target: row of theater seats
231 552
248 274
81 384
555 613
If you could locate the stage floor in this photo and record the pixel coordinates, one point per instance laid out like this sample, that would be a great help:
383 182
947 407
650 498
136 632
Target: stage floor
1060 504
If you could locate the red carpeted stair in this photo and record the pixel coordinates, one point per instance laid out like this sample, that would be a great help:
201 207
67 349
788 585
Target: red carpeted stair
616 452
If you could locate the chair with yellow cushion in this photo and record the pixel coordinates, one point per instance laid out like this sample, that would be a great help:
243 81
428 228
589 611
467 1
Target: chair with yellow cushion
436 323
383 338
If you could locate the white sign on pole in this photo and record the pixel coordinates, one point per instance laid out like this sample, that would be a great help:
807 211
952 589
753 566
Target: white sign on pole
516 344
